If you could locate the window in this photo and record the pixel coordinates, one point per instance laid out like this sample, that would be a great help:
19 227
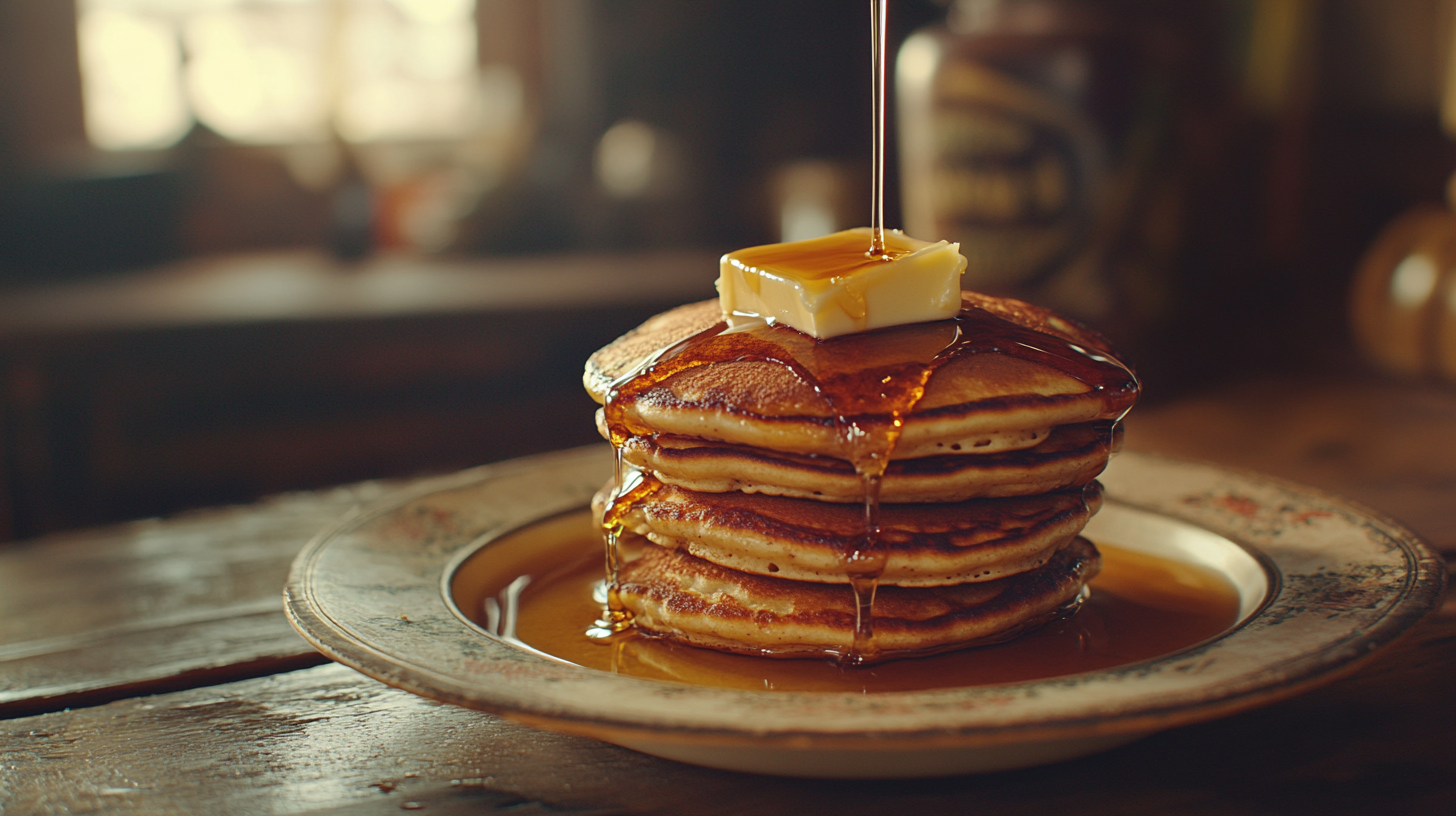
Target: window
288 71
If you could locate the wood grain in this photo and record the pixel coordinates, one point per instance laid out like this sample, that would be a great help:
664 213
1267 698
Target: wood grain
156 604
327 739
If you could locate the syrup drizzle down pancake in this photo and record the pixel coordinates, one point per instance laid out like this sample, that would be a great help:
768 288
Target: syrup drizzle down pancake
750 396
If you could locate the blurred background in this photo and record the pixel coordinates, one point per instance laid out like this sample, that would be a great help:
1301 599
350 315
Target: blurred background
257 245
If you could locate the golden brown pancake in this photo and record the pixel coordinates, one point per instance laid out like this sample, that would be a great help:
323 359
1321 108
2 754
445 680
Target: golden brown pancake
979 403
992 423
1070 456
925 444
800 540
674 594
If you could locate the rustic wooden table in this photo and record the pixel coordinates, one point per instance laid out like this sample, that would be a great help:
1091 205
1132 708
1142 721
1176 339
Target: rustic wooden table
148 668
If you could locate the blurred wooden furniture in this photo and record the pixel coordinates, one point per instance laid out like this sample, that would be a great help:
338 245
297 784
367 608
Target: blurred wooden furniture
147 667
223 380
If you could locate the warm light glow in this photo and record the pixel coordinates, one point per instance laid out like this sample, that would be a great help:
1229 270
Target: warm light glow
256 74
624 158
802 219
408 72
290 71
1413 281
808 193
437 11
917 60
131 74
441 51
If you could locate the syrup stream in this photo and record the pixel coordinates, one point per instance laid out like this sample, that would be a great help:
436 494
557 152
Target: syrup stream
867 562
879 11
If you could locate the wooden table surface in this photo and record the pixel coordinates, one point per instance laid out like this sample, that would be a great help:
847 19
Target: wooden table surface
147 668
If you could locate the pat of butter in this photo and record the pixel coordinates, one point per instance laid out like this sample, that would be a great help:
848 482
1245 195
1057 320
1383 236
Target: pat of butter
830 286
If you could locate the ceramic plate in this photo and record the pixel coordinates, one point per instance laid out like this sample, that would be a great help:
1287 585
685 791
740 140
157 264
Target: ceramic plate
1322 584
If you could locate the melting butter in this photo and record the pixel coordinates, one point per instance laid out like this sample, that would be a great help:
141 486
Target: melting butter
829 286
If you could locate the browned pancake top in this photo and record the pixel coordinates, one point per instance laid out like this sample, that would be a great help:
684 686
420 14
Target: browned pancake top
770 390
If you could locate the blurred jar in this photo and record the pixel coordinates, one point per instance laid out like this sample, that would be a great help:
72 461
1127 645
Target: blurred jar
1403 297
1037 134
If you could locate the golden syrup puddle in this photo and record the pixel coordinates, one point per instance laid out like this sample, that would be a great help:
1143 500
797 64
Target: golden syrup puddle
539 583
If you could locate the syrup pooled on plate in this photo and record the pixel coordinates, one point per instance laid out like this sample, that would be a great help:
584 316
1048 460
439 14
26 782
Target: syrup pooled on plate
1141 607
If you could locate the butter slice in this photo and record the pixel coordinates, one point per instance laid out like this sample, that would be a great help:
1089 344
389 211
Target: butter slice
829 286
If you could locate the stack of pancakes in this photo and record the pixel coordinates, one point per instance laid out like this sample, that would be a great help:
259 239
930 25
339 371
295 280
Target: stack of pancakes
740 507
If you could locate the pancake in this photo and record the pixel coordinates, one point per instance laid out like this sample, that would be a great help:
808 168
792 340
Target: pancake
1070 456
984 402
673 594
753 451
926 443
799 540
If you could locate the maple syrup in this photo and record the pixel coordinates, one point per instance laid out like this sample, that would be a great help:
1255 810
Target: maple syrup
879 13
839 258
1141 606
871 380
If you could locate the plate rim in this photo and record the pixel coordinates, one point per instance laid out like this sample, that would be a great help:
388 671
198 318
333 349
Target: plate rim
1424 581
